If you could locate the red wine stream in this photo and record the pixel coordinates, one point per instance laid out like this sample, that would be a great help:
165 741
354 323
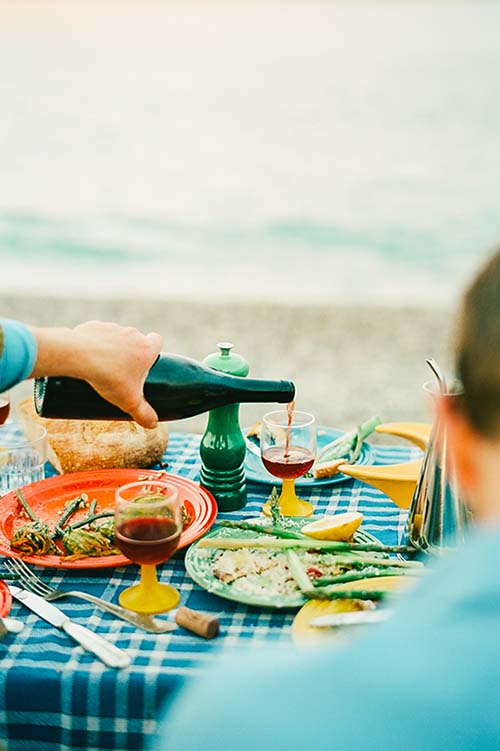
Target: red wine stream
290 409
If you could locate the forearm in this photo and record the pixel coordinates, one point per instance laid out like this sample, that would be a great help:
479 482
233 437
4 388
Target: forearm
59 353
115 360
30 352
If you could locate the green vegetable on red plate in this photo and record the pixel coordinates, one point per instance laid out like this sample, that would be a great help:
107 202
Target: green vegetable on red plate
34 537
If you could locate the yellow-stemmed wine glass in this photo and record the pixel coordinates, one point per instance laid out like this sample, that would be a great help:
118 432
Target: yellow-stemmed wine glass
4 406
288 450
148 525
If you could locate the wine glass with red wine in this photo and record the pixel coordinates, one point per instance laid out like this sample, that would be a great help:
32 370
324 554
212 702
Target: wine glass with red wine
4 406
288 450
148 525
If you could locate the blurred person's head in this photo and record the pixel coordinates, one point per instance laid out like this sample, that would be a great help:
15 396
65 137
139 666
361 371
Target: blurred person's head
474 417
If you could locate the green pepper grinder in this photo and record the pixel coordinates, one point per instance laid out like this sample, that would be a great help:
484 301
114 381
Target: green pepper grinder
223 446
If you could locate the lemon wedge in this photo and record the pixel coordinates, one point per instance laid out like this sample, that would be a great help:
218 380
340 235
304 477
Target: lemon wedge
338 527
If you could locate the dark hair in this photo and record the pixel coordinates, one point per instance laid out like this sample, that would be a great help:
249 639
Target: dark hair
478 350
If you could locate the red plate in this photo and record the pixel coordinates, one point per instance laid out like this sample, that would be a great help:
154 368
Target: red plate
5 599
47 499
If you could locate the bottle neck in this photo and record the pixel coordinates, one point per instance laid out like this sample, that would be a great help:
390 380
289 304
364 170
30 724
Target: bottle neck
177 369
261 390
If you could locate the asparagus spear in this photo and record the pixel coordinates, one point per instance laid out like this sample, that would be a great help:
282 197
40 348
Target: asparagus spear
92 509
347 442
268 530
353 594
325 593
364 574
69 509
326 546
24 503
299 573
91 519
340 545
274 505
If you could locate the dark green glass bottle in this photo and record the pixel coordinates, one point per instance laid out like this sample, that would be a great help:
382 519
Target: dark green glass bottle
176 387
223 446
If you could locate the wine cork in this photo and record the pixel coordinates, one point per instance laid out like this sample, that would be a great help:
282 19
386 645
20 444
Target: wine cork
203 624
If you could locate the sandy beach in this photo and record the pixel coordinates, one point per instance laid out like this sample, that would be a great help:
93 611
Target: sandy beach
324 170
348 363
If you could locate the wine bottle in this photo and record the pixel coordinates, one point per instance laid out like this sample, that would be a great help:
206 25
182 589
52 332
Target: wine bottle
176 387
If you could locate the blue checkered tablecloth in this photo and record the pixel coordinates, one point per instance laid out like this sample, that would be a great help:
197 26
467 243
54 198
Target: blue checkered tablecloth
56 697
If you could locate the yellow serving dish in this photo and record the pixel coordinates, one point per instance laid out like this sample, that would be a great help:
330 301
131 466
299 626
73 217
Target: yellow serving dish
306 635
398 481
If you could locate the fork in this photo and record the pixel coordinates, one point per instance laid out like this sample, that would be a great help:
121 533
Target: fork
33 583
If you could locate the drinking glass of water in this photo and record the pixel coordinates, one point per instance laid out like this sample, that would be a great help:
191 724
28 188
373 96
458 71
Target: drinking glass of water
22 459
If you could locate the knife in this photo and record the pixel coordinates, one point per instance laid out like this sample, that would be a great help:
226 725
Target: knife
100 647
354 618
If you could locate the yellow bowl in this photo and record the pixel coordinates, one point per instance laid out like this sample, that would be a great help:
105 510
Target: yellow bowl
398 481
306 635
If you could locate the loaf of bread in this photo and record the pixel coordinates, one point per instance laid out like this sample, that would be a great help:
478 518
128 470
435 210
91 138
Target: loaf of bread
77 445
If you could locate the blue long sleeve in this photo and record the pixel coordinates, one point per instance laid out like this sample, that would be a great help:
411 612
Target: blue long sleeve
18 351
427 679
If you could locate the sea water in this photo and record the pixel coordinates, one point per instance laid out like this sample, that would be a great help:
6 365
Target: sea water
308 151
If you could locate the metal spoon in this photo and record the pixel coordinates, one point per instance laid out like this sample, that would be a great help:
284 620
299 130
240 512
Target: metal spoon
438 373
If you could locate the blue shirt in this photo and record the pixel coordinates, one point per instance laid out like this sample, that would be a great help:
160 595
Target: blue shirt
427 679
18 351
